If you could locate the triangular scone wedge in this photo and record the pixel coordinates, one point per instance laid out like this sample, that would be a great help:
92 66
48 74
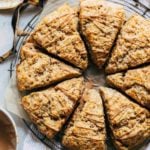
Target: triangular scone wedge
49 109
40 70
58 34
130 123
86 130
100 23
71 89
135 83
28 50
132 47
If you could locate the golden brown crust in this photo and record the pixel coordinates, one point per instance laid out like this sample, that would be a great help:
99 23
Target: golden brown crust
58 34
29 47
135 83
50 108
41 70
128 121
86 130
28 50
132 47
72 89
100 23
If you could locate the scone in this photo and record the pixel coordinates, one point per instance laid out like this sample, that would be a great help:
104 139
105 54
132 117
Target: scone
100 23
57 33
28 50
135 83
73 89
29 47
49 109
132 47
41 70
129 123
86 130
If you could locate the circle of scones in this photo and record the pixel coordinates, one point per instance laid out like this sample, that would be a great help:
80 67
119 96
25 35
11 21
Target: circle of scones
55 56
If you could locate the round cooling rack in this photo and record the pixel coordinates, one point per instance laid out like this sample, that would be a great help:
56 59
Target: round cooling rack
130 6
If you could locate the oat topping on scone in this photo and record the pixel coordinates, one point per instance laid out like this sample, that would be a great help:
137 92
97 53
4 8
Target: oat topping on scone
100 23
41 70
72 89
130 123
135 83
50 108
132 47
86 130
57 33
28 50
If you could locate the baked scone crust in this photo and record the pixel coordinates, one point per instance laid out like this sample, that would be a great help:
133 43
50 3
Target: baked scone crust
50 108
29 47
130 123
40 70
72 89
28 50
86 130
100 22
58 34
132 47
135 83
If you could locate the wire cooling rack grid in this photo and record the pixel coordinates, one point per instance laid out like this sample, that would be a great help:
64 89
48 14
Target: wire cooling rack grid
133 6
